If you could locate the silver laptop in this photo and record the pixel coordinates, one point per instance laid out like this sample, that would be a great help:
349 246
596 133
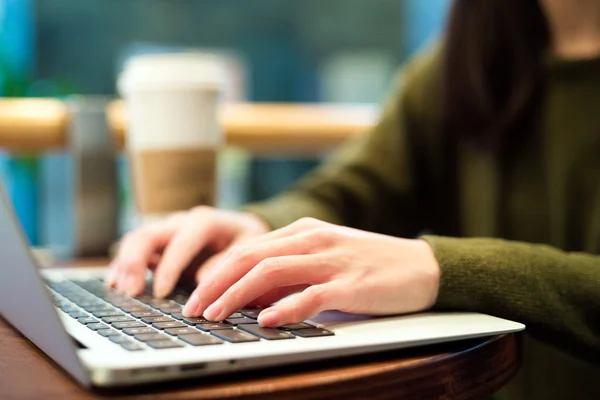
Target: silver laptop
104 338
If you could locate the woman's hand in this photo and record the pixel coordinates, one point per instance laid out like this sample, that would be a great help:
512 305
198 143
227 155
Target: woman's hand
184 240
333 268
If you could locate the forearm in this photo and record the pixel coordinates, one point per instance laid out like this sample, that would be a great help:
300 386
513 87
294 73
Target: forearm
556 294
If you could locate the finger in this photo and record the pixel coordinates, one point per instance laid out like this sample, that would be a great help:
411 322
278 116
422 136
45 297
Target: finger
153 261
136 253
274 295
220 260
208 266
113 272
194 236
269 274
158 234
294 228
313 300
111 278
234 266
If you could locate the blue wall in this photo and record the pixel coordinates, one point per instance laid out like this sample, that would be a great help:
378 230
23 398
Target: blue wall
422 21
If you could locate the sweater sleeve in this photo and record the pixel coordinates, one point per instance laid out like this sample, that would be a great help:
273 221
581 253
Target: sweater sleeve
369 183
555 293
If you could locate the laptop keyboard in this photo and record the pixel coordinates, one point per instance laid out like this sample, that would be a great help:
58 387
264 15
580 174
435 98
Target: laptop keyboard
145 323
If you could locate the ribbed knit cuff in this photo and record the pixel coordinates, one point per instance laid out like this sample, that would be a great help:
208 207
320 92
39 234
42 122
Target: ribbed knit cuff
463 273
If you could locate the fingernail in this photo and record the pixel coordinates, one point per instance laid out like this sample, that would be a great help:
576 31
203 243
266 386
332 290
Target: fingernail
111 279
214 311
191 306
268 318
159 291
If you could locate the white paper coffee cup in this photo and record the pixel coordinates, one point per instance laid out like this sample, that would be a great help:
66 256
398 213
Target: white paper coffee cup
173 134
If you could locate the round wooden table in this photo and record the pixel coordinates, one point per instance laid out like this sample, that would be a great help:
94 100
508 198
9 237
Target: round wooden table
473 369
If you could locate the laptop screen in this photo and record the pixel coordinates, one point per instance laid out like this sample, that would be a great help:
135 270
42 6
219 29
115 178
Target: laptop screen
24 299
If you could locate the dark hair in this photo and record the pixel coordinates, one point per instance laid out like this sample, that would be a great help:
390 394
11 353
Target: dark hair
493 76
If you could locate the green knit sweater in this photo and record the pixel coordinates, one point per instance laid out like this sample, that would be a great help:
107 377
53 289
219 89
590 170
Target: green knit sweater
516 235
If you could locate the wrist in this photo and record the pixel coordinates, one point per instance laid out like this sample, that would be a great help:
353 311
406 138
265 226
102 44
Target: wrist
431 272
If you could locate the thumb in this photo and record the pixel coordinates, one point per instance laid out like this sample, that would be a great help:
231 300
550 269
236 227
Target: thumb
309 303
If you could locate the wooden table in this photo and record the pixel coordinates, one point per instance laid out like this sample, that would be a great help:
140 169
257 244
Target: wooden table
472 369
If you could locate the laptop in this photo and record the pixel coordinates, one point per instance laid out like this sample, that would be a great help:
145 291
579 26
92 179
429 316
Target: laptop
104 338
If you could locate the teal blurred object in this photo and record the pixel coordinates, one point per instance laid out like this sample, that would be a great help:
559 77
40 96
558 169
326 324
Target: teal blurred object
23 172
273 176
20 173
282 72
422 21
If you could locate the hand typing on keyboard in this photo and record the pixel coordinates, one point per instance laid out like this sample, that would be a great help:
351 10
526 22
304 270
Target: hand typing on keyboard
171 247
329 266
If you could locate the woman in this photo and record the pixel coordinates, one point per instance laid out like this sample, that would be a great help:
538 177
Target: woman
492 145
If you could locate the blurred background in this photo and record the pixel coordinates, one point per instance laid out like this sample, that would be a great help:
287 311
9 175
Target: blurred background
284 51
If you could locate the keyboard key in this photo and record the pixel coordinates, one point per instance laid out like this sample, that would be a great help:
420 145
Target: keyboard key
130 346
127 304
180 299
168 325
178 316
296 327
150 337
108 332
145 298
236 315
139 331
120 339
69 309
77 314
117 300
78 299
97 326
194 321
151 320
135 308
95 307
164 344
146 314
59 302
266 333
213 327
120 299
198 339
110 320
127 325
87 320
235 336
241 321
89 303
107 313
172 309
124 302
314 332
156 303
181 331
106 296
250 313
